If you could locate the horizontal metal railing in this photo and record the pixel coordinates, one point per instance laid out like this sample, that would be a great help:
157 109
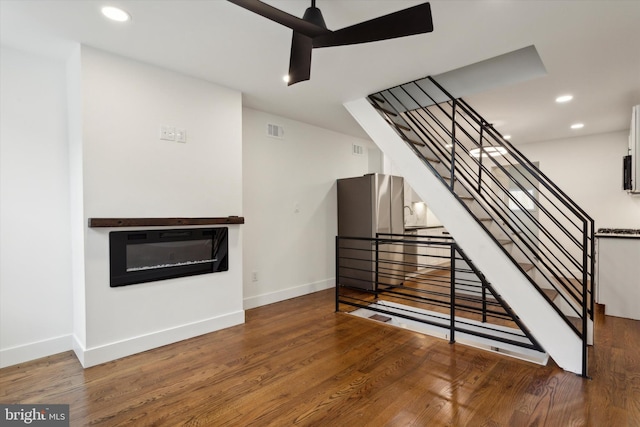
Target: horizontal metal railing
426 279
538 226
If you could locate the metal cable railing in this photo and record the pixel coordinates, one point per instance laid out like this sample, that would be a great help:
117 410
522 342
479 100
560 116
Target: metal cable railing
490 195
425 279
538 226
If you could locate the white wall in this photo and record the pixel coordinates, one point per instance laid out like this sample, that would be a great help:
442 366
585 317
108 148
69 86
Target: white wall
129 172
35 267
76 201
589 170
292 252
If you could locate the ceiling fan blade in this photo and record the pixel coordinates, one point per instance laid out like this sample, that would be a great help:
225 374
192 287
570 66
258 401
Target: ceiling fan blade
300 60
296 24
406 22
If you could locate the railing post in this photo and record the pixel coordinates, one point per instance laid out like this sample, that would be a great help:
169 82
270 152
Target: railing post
377 265
453 144
585 275
337 272
592 248
484 301
482 124
452 326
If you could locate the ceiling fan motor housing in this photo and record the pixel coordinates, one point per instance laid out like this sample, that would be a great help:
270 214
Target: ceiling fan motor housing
314 15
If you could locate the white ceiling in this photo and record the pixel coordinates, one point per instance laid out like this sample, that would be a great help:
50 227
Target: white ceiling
590 49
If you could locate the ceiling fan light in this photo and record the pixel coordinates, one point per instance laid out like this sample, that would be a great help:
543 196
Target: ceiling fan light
286 78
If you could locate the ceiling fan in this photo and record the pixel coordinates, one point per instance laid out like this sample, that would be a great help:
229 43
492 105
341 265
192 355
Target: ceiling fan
310 31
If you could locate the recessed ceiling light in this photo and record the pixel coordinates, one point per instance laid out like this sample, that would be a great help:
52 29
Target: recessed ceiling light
564 98
286 78
577 126
507 136
115 14
488 151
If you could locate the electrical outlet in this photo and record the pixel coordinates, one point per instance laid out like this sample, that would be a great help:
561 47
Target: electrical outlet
254 276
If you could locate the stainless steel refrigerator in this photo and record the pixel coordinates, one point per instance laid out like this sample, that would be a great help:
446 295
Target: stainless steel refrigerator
367 205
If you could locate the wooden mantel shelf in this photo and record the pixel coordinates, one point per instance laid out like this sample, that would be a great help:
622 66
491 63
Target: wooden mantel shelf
162 222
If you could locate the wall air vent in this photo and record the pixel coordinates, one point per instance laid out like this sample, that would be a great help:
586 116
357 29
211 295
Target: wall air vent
357 150
275 131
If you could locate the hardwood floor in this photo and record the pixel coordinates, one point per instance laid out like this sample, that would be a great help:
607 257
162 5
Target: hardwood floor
299 363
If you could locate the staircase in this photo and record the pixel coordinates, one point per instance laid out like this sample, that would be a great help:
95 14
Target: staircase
529 239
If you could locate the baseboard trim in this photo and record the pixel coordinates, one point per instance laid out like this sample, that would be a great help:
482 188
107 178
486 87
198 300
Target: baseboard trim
285 294
78 349
36 350
105 353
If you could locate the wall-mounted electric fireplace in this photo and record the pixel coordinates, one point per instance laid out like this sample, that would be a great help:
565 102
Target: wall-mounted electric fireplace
149 255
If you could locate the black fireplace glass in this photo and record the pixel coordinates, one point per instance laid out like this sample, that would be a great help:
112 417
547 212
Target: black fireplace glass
149 255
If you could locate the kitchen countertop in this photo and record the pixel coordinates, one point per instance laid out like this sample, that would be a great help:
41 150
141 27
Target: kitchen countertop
618 233
615 236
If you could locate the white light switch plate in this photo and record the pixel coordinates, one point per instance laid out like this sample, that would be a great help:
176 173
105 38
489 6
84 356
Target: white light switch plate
181 135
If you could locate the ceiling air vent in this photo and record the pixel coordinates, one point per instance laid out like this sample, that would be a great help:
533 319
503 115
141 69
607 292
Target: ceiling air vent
357 150
275 131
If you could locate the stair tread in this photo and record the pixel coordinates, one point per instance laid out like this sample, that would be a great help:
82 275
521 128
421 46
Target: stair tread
401 126
504 242
575 321
550 293
525 266
378 99
419 143
384 110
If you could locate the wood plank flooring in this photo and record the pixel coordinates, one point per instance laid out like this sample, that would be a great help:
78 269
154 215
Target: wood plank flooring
299 363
